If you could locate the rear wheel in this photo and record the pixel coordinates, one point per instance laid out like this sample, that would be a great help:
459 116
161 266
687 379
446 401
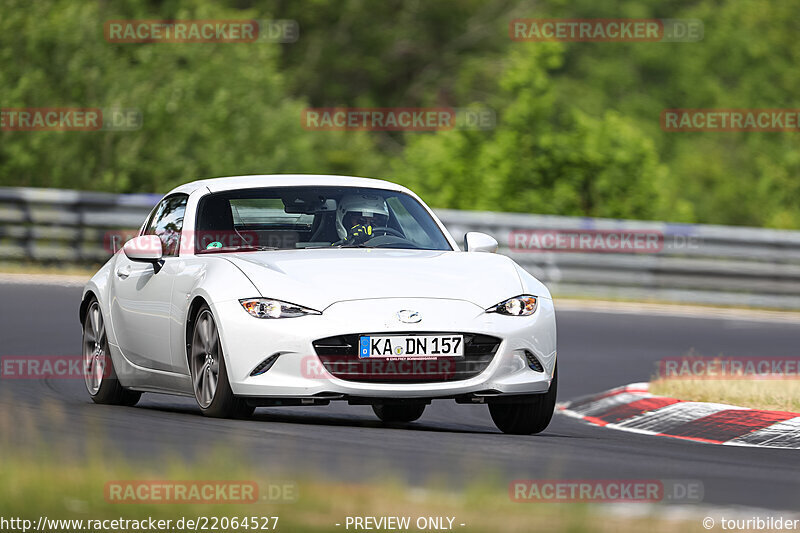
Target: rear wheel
98 368
529 417
212 390
399 412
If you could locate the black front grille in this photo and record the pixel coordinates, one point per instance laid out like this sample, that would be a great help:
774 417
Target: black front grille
339 355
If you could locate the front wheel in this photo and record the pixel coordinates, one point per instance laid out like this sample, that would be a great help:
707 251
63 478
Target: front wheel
526 418
393 413
212 390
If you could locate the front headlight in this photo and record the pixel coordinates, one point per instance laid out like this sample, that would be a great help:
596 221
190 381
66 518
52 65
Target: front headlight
524 305
266 308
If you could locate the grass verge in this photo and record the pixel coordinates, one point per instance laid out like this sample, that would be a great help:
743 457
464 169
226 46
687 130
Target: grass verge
35 484
770 394
49 269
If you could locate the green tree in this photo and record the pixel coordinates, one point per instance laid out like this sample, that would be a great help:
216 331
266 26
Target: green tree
208 109
541 158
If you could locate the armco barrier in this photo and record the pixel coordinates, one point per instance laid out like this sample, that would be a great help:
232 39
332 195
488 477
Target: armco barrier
51 225
694 263
697 263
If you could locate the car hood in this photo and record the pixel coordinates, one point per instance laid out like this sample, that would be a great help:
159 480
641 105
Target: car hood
320 278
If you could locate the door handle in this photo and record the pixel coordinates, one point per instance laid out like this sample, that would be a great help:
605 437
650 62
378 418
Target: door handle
123 272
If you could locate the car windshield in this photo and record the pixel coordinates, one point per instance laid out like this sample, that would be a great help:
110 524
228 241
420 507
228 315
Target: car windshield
289 218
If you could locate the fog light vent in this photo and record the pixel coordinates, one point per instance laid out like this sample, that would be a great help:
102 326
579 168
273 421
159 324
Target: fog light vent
533 363
265 365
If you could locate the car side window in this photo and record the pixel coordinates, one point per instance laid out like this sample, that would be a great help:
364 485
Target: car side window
167 223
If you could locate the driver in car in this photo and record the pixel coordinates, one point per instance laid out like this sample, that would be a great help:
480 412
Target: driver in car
357 217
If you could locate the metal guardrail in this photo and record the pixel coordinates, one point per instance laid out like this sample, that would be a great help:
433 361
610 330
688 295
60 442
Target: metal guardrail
52 225
719 265
697 263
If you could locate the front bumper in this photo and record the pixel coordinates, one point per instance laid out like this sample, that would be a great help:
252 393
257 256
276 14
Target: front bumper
298 371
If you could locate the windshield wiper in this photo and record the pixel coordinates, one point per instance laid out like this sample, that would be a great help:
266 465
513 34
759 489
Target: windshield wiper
331 246
224 249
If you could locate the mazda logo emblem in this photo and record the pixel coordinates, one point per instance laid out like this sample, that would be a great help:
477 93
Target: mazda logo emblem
409 317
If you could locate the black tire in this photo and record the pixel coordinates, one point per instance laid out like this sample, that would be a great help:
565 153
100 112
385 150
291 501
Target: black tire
224 404
526 418
394 413
110 391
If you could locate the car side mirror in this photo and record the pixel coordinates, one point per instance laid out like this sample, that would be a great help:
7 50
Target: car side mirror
479 242
146 249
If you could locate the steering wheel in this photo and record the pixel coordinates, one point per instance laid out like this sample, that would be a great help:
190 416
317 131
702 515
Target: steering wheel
389 231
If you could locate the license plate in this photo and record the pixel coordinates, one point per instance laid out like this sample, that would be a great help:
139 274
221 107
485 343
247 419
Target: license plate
411 346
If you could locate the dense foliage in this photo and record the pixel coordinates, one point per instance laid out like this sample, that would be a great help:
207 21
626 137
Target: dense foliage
577 130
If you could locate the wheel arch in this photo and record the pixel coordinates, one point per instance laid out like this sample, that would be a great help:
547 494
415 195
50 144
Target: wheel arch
194 309
88 296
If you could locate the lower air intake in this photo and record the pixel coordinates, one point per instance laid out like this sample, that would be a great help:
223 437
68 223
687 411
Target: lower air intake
265 365
533 362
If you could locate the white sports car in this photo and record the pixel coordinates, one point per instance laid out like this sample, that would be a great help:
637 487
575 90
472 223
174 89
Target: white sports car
298 290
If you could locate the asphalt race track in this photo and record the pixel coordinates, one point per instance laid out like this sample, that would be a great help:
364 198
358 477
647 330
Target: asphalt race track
451 443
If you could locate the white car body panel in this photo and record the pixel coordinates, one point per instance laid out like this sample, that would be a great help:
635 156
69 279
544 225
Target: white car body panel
320 278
